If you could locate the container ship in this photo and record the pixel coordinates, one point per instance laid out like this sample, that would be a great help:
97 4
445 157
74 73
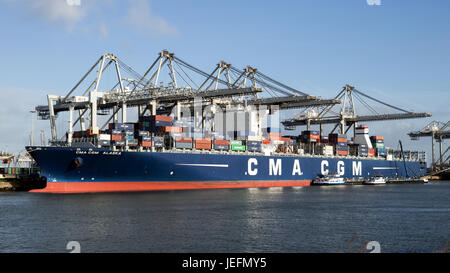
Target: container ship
128 158
168 148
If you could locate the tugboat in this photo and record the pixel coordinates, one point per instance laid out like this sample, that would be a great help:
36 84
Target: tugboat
328 179
375 180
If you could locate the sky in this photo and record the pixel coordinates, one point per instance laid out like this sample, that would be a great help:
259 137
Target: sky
397 51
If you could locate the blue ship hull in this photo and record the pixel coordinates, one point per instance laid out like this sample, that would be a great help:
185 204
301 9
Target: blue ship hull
102 170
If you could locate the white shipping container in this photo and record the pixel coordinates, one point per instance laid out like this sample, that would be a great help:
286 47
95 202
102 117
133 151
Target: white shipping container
327 148
254 138
104 137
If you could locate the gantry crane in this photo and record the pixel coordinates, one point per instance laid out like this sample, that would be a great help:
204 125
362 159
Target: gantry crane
438 131
346 114
225 85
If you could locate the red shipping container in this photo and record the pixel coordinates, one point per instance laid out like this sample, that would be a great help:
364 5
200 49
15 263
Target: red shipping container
146 144
371 152
342 152
313 136
342 140
221 142
266 141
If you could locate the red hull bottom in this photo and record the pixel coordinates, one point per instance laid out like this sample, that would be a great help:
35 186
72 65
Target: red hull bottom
86 187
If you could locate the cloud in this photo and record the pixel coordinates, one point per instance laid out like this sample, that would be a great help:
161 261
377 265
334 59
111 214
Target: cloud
67 12
103 30
139 16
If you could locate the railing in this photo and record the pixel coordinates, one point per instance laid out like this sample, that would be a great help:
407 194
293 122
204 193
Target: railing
303 149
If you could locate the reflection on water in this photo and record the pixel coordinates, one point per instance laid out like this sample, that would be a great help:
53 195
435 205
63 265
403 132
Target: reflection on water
297 219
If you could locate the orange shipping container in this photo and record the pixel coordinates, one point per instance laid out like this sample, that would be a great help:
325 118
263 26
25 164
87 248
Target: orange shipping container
203 140
162 118
146 144
183 139
203 146
170 129
116 137
274 134
221 142
203 143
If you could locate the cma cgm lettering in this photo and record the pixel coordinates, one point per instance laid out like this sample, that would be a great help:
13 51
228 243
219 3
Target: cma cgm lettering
275 167
98 170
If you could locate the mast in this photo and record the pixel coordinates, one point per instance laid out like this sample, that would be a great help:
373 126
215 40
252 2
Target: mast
403 156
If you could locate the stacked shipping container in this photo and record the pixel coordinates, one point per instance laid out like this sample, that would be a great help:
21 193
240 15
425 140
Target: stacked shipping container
378 144
310 136
340 143
153 131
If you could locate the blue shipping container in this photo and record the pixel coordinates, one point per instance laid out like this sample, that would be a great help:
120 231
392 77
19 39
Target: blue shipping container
145 138
116 132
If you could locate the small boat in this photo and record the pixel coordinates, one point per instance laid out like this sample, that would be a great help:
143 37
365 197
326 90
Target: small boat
329 179
375 180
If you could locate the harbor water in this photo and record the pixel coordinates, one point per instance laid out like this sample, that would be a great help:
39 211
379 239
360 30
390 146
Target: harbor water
401 218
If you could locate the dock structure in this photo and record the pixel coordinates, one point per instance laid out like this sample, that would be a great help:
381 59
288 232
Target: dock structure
346 116
438 132
18 173
225 85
